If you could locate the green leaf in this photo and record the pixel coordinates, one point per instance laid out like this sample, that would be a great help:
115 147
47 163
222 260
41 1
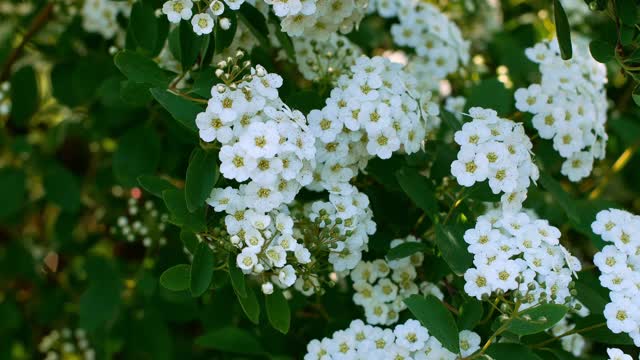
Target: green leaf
61 187
25 97
419 189
138 153
174 199
561 197
12 191
471 313
636 95
491 93
278 311
250 306
141 69
510 351
405 249
542 318
590 293
100 302
190 45
202 175
237 277
283 38
147 30
201 270
627 11
176 278
602 51
183 110
253 19
563 30
434 316
231 340
154 184
189 240
224 38
453 248
450 120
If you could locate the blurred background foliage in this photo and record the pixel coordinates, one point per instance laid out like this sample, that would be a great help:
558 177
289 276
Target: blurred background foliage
80 134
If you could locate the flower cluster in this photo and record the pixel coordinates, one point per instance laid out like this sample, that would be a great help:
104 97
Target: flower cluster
410 340
496 149
619 264
318 19
263 141
371 112
437 41
143 223
101 16
202 23
569 105
381 286
66 344
5 99
516 252
349 217
325 60
337 230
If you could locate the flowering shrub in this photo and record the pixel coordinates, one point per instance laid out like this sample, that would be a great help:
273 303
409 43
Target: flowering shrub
319 179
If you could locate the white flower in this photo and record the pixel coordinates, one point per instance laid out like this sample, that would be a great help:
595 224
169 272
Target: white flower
212 128
469 342
267 288
177 10
287 276
247 259
202 24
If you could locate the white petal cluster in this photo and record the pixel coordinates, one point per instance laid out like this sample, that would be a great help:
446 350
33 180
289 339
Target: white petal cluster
514 251
498 150
66 344
371 112
577 11
407 341
325 60
263 141
143 223
569 105
349 216
5 98
619 264
202 23
439 47
617 354
381 286
101 16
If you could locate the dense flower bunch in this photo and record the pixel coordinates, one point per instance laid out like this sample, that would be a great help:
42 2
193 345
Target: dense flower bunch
325 60
620 267
66 344
382 285
569 105
101 16
5 99
263 141
406 341
143 223
371 112
515 251
348 216
318 19
437 41
496 149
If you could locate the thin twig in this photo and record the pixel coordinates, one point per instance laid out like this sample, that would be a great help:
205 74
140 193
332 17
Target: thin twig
38 22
